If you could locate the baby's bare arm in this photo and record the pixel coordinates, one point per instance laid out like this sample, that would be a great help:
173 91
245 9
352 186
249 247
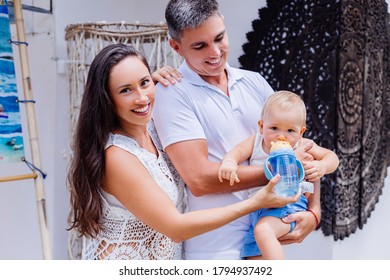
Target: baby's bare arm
229 165
325 161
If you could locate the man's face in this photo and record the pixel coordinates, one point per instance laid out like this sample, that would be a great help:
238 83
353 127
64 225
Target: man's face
205 48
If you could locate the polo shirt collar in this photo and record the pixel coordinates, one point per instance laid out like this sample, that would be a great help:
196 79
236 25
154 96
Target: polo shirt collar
193 78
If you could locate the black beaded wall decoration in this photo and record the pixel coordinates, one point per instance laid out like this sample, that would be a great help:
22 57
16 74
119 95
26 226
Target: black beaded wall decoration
335 54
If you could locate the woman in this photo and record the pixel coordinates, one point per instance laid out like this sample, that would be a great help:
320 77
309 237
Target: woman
126 196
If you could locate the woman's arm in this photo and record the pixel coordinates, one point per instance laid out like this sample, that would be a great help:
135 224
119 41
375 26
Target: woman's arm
128 180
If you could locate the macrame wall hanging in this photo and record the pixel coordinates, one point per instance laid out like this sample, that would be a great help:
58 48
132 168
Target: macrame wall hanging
335 54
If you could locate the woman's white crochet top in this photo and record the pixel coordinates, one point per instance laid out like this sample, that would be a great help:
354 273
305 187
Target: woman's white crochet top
125 235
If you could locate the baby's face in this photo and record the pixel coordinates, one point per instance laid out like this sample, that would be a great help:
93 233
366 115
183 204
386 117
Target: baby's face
286 125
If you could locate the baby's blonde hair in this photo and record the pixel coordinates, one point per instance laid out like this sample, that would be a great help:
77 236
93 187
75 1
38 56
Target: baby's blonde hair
284 100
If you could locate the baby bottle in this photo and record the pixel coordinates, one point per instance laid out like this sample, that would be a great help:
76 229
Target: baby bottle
282 161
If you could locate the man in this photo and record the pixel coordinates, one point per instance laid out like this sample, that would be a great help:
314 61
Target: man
199 119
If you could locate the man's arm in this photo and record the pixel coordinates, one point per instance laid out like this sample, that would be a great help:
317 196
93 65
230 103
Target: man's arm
201 175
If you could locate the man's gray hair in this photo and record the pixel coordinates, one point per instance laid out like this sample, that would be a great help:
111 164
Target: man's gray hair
188 14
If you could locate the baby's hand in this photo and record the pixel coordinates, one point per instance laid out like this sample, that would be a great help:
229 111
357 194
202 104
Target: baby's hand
228 171
314 170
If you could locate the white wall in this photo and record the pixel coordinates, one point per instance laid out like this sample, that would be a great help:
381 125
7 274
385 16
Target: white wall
20 237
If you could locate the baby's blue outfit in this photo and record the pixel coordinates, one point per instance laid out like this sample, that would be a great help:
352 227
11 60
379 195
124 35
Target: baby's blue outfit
250 247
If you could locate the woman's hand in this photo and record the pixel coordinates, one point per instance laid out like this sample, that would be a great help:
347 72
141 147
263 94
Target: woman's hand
166 74
267 198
